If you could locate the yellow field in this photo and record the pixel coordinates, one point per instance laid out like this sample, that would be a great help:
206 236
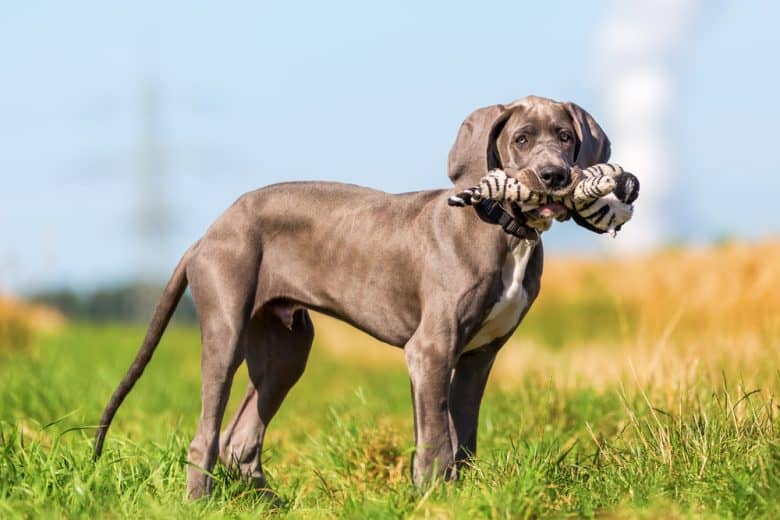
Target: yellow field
19 321
664 318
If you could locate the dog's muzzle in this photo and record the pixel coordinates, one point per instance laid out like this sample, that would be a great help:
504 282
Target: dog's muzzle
555 177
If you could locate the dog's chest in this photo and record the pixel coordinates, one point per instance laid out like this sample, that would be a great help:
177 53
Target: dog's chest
513 300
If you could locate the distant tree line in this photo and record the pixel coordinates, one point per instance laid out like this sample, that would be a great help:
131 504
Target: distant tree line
131 302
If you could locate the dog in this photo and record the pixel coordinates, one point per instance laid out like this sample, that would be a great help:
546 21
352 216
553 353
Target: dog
444 284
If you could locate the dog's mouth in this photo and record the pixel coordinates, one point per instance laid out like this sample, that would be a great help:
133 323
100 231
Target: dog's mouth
549 211
541 217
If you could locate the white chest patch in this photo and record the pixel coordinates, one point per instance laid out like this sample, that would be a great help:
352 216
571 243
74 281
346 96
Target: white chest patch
505 314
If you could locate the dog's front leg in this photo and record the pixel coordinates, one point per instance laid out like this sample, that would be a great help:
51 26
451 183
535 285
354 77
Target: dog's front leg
429 358
468 385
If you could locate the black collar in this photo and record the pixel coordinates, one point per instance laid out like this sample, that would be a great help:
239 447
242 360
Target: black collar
493 212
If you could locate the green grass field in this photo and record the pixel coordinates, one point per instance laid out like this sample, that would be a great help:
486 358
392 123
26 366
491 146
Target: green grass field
342 444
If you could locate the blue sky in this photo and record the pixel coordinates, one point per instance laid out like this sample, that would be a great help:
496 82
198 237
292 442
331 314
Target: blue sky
255 93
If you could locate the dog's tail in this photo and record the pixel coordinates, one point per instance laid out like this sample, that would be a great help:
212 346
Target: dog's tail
162 315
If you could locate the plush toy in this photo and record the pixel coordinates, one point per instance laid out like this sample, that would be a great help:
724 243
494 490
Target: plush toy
600 198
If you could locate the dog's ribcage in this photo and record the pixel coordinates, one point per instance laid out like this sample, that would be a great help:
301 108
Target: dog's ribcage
512 302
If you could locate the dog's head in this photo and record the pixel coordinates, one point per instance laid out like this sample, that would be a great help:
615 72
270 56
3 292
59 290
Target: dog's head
545 136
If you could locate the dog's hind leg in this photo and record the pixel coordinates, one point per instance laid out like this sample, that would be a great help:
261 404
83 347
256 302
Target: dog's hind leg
220 359
223 292
276 357
468 386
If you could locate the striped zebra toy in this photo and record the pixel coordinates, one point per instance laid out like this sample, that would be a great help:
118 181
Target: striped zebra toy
600 198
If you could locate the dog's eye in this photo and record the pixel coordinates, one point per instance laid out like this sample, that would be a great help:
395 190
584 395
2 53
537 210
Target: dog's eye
565 137
521 139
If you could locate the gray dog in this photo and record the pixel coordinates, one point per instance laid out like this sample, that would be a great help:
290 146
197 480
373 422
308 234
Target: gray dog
441 283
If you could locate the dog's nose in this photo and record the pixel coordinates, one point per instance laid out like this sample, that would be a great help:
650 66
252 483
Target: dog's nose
554 177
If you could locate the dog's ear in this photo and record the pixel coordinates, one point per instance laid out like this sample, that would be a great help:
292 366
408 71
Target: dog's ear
593 145
474 152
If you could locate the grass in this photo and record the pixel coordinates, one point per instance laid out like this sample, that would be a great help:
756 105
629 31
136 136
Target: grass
655 411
